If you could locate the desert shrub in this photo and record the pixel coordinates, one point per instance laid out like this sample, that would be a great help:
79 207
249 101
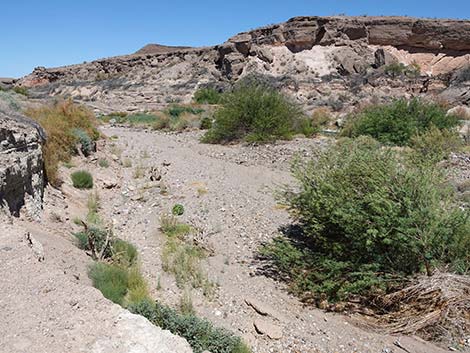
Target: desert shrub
207 96
396 123
82 179
141 119
172 227
206 123
59 121
397 69
177 210
87 145
21 90
321 117
175 111
368 218
200 333
111 280
434 145
163 122
103 163
256 113
123 252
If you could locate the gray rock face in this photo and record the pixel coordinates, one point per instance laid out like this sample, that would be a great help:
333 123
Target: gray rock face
21 163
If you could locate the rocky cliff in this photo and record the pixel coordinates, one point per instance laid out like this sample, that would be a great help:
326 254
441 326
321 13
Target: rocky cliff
334 61
21 163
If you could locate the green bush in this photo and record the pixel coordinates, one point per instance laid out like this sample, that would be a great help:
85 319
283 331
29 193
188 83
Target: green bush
206 123
434 145
369 217
256 113
200 333
176 110
111 280
82 179
86 143
177 210
396 123
207 96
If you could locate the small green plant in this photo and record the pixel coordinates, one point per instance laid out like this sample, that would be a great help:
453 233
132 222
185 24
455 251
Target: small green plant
256 113
396 123
93 204
177 210
172 227
139 172
87 145
207 96
82 179
103 163
175 111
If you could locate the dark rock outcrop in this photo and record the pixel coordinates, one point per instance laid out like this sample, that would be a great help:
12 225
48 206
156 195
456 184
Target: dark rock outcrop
21 164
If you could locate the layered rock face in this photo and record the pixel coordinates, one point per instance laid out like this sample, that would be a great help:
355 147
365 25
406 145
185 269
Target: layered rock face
335 61
21 164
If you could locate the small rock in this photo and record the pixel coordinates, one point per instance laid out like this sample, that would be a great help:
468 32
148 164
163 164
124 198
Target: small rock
267 328
110 184
262 308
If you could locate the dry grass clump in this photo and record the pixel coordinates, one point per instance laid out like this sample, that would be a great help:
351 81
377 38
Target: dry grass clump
59 121
437 308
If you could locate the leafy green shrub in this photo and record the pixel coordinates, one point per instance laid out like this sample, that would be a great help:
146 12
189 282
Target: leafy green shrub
177 210
82 179
396 123
206 123
87 145
434 145
369 217
255 113
200 333
207 96
111 280
59 121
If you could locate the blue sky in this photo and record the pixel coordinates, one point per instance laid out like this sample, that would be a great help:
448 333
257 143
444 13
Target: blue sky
55 33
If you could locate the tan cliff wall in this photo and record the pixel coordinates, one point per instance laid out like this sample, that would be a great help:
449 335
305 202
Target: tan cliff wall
315 59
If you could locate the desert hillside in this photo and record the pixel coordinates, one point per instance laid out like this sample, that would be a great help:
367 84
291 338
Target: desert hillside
301 187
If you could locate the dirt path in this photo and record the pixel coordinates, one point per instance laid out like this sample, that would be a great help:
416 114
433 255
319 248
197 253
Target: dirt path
228 193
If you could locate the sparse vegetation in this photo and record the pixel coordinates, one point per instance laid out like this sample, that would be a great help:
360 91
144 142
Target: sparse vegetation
200 333
396 123
256 113
183 259
59 121
21 90
82 179
369 218
207 96
398 69
103 163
